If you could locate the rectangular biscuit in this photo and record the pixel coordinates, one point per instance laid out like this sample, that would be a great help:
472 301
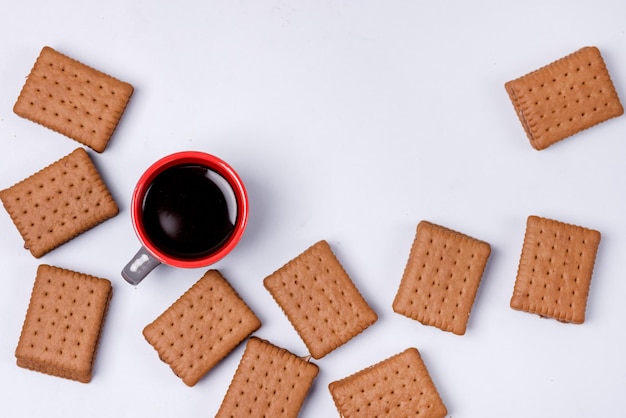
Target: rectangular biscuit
320 300
269 381
73 99
555 269
59 202
198 330
63 323
399 386
441 278
565 97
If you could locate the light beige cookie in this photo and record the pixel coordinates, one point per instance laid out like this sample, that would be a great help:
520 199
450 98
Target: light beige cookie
555 269
73 99
320 300
399 386
565 97
58 203
441 277
63 323
269 382
198 330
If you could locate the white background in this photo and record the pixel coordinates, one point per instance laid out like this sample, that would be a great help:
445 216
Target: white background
351 122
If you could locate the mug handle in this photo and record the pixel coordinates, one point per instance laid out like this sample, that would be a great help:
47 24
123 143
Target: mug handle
139 266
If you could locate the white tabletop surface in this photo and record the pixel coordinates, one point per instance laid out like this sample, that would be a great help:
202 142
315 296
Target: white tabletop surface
349 122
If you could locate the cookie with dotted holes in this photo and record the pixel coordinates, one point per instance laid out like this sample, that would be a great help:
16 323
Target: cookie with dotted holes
320 300
399 386
555 270
198 330
564 97
59 202
63 323
441 277
73 99
269 381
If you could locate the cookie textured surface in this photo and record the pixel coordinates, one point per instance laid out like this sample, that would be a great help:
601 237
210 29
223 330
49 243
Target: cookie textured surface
320 300
555 270
59 202
73 99
269 382
198 330
63 323
564 97
400 386
441 278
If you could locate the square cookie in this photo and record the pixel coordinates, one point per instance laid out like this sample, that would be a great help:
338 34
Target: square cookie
73 99
555 270
441 278
269 381
564 97
63 323
59 202
320 300
397 387
198 330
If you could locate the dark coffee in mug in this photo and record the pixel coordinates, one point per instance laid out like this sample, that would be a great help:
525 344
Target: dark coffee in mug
189 211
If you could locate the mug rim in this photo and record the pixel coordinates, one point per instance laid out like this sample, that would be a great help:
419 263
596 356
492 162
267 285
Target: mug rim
217 165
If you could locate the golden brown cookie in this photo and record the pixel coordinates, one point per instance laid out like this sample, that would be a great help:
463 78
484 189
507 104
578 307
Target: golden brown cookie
441 277
201 327
73 99
269 381
555 270
63 323
59 202
564 97
320 300
399 386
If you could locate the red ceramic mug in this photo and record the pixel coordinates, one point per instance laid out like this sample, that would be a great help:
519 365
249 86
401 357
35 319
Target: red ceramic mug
189 209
